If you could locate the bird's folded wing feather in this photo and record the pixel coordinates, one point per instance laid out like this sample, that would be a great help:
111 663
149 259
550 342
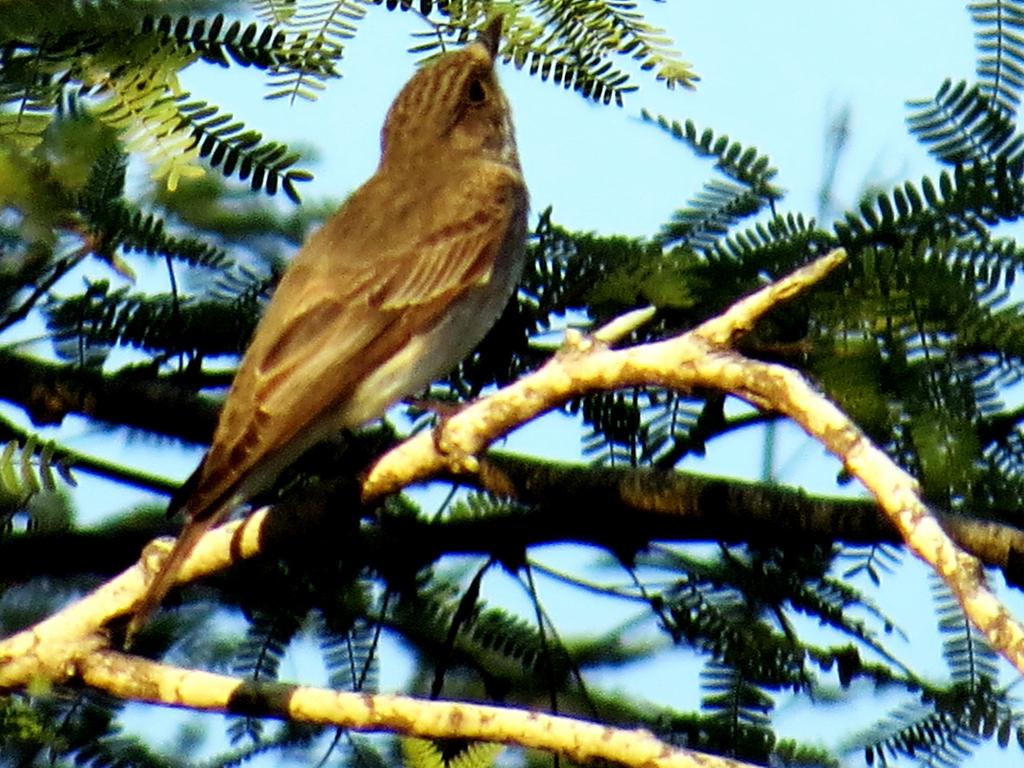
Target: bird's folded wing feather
343 309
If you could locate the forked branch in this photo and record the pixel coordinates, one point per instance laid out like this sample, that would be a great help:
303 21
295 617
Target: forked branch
69 646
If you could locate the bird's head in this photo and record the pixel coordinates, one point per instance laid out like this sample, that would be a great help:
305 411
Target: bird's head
453 106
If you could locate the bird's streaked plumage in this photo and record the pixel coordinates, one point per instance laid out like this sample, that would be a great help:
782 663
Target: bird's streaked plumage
390 293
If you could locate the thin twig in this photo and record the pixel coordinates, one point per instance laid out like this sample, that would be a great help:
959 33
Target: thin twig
59 269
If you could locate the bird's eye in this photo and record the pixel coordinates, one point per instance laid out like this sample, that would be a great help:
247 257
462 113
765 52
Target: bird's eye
476 93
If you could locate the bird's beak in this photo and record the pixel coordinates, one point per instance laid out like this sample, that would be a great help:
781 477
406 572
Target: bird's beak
490 36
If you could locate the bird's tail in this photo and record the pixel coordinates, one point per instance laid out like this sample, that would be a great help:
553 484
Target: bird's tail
167 576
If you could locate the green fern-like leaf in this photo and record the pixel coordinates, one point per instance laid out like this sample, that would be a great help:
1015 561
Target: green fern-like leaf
289 737
139 81
970 659
604 275
639 426
677 426
318 34
259 657
116 749
791 754
139 232
134 79
710 215
707 608
425 753
739 709
72 24
769 246
961 204
474 506
617 27
961 124
350 655
721 204
28 96
22 725
731 698
219 41
1000 50
163 325
944 297
744 165
27 470
86 733
924 737
571 44
113 223
833 603
943 730
226 145
490 640
614 418
584 73
872 561
245 288
267 639
275 11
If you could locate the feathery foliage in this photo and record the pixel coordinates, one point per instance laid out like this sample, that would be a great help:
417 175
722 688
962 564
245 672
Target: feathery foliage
130 83
423 753
572 44
1000 51
26 472
918 338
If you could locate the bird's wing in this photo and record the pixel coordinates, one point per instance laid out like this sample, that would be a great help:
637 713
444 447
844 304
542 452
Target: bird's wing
352 299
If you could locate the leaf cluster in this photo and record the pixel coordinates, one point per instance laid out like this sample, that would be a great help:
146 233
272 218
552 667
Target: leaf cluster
919 339
574 44
82 61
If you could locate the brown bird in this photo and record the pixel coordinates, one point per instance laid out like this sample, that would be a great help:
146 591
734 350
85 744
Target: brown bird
390 293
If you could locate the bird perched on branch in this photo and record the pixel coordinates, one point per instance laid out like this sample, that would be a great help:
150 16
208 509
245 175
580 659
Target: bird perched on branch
390 293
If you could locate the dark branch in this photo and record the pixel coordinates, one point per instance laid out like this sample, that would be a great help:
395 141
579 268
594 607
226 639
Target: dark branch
48 392
620 510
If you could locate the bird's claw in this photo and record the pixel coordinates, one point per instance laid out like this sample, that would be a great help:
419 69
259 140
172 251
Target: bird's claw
154 554
458 459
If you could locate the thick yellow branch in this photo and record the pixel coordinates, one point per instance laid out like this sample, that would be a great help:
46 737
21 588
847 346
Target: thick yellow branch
129 677
69 645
